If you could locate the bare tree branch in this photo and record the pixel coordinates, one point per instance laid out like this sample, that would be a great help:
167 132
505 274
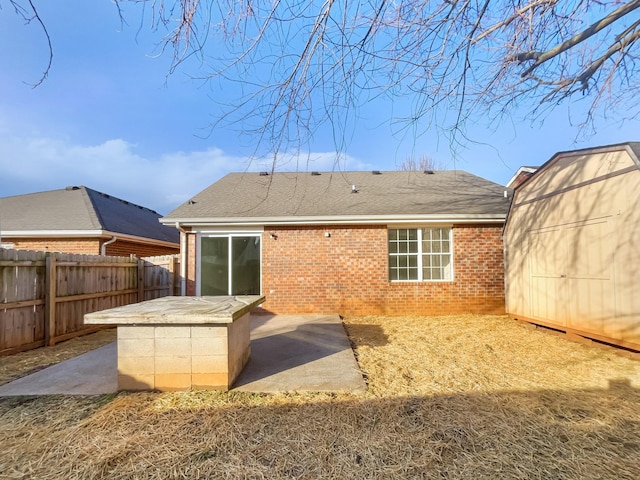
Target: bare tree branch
299 65
541 58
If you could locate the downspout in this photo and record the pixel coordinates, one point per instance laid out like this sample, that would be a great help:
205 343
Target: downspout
183 259
103 249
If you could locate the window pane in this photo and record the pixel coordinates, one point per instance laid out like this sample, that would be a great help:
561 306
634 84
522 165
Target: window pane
402 261
412 234
446 267
393 234
393 261
214 266
246 265
413 261
413 247
436 274
413 274
393 274
402 234
393 247
426 273
446 247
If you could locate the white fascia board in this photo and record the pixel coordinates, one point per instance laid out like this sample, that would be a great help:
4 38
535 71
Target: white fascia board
84 234
531 170
333 220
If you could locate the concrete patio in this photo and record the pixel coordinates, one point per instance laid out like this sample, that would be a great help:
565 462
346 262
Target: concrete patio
288 353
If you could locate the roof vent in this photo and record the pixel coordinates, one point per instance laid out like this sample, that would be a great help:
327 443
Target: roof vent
191 201
429 172
264 174
315 174
376 172
354 189
72 188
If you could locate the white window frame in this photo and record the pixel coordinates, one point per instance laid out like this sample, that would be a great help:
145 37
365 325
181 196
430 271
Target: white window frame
223 234
420 254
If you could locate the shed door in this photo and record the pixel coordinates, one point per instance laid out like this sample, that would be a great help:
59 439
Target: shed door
571 275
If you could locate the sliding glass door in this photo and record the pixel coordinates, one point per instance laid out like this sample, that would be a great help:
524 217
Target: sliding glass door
230 265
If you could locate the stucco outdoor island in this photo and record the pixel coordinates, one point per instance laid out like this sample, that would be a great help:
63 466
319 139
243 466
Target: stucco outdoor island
178 343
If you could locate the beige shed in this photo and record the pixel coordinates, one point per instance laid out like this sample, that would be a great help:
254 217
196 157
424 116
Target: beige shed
572 245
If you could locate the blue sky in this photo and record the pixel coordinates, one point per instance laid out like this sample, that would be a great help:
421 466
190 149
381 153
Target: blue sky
109 117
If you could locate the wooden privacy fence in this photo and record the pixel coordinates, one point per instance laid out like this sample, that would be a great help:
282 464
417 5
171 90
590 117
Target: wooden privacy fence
44 296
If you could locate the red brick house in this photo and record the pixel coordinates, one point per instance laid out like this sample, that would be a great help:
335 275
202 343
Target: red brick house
82 220
348 242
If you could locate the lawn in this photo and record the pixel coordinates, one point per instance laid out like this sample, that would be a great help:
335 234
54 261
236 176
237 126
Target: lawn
449 397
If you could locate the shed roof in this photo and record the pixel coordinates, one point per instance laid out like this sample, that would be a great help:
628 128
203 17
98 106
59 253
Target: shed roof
305 197
80 209
633 148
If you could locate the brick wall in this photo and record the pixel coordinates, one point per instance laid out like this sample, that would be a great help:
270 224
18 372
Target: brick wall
65 245
304 271
92 247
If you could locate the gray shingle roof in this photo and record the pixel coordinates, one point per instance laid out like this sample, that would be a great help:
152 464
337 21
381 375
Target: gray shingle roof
81 209
251 195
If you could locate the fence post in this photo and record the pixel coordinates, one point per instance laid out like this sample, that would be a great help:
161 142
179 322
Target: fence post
140 280
50 301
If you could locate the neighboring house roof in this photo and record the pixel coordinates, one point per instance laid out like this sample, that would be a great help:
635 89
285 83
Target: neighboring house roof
80 211
326 197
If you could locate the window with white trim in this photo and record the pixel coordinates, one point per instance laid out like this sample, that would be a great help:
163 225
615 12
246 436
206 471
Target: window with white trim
420 254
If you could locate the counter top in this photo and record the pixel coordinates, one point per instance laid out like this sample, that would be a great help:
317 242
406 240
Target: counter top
178 310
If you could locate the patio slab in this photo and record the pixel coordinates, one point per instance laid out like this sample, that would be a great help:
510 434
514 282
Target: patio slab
288 353
92 373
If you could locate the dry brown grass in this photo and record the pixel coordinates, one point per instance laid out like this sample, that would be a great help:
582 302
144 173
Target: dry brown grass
19 365
449 397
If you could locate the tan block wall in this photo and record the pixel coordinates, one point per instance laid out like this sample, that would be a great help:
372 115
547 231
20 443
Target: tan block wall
347 273
239 345
181 357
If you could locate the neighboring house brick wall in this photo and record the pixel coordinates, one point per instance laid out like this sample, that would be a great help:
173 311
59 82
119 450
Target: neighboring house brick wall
305 272
64 245
125 248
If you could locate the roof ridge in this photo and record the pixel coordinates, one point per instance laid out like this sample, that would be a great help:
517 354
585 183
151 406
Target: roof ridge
94 215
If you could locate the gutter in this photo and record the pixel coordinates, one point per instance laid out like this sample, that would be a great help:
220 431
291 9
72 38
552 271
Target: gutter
337 220
103 248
